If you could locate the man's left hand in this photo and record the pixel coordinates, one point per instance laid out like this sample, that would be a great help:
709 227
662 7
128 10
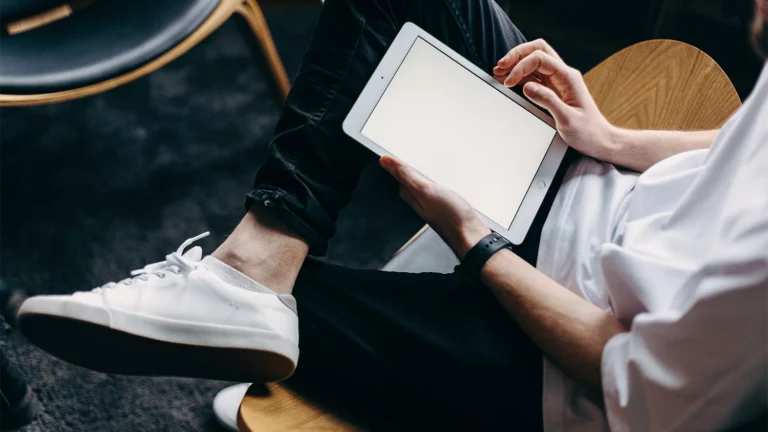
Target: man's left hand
444 210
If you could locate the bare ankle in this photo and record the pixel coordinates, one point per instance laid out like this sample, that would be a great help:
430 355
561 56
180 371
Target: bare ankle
265 251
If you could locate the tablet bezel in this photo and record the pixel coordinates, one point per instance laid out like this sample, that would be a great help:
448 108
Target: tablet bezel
377 85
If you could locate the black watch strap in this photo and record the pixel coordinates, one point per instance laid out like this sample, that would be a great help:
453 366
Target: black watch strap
480 253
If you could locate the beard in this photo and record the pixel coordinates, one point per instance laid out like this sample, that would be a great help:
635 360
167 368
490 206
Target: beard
760 31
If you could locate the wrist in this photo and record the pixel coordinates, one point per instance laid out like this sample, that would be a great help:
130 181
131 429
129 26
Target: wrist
611 143
468 238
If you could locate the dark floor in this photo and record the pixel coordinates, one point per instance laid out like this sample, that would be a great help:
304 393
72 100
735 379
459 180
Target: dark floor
96 187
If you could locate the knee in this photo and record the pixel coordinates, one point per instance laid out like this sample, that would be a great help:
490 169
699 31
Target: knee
462 10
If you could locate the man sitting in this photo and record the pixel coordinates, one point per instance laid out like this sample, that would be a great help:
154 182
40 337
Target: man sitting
644 288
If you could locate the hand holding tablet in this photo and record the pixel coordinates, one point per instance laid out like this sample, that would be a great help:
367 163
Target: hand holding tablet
459 128
443 209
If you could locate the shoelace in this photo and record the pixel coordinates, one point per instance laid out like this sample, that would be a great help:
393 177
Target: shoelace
174 263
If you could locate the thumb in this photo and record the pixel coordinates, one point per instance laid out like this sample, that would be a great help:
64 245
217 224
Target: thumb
404 174
546 98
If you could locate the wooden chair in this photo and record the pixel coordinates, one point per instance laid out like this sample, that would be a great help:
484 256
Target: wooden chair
657 84
27 77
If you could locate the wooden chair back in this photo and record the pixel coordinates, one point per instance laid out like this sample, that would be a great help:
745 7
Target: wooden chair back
663 84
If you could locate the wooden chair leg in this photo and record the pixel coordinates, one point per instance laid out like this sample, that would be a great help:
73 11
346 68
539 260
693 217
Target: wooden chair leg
251 12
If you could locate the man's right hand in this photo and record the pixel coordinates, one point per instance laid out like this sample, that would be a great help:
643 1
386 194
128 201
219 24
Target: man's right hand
559 88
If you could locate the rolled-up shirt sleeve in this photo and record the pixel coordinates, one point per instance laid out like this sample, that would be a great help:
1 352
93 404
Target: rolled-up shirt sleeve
699 364
686 269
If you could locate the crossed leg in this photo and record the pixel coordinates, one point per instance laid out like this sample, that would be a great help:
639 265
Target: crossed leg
405 340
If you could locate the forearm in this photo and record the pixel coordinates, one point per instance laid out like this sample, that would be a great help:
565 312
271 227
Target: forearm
569 330
640 149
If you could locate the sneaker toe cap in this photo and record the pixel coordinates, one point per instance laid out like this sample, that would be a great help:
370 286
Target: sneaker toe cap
227 403
88 308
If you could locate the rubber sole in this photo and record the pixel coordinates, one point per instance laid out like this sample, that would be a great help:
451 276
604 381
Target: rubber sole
105 349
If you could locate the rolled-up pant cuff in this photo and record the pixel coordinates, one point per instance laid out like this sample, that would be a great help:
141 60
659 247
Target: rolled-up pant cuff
281 204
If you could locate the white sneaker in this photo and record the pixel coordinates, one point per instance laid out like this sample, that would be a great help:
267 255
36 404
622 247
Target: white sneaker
226 404
185 316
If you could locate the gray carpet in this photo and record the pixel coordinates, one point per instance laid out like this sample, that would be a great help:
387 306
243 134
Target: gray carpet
94 188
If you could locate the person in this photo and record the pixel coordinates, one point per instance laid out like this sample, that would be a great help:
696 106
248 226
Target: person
18 403
638 300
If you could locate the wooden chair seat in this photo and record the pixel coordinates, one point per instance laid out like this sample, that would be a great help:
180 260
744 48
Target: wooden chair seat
658 84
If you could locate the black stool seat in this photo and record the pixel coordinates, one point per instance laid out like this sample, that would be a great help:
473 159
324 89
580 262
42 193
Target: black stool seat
105 39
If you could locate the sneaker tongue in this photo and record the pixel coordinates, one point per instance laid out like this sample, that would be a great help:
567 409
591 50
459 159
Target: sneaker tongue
194 254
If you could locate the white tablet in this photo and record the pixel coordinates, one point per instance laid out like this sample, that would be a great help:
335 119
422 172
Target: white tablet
455 124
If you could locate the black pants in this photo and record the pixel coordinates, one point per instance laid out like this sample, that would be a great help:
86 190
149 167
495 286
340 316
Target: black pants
414 344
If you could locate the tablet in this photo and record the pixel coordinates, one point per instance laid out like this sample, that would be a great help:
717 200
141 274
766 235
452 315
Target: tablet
459 127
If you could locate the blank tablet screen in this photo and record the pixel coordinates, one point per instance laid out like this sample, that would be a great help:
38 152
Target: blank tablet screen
460 132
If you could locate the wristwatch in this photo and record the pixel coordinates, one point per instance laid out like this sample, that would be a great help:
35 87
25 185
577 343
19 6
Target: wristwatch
475 259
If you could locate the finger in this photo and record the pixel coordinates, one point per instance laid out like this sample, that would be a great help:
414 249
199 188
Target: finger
500 71
404 174
529 78
524 81
503 71
546 98
539 62
524 50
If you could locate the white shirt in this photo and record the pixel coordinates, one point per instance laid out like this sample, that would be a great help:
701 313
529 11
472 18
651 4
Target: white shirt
680 252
